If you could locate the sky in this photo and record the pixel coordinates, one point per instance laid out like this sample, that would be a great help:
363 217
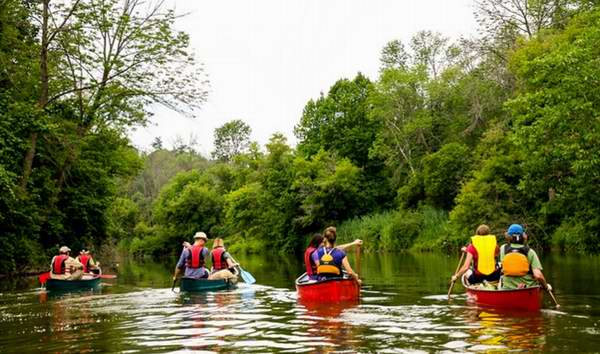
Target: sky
266 58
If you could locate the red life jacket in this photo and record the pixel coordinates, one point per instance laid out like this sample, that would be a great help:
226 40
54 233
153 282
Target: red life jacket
195 259
311 268
58 267
85 260
218 259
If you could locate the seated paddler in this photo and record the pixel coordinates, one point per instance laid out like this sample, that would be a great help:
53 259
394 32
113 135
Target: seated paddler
223 266
193 259
65 267
481 260
315 243
330 260
89 263
521 266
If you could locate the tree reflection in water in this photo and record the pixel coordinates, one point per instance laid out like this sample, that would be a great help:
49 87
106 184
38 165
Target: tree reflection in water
506 329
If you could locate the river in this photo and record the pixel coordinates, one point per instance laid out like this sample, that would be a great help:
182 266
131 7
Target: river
403 309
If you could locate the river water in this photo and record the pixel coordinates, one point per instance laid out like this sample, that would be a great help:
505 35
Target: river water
403 308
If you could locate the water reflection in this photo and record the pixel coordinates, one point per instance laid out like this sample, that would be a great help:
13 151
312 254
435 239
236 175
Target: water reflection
505 329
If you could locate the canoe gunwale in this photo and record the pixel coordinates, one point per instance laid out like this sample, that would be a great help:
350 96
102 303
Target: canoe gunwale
472 288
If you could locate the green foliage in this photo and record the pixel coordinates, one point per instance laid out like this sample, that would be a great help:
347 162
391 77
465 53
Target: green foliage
421 229
557 124
443 172
231 139
103 69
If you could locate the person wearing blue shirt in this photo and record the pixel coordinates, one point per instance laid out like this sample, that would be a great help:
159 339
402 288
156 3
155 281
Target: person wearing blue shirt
331 260
193 259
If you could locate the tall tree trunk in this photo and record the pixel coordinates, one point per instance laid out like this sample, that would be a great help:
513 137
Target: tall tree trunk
43 99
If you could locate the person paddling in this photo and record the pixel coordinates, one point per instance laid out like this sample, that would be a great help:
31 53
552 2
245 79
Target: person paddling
314 244
521 266
65 267
481 258
223 266
193 259
330 260
89 264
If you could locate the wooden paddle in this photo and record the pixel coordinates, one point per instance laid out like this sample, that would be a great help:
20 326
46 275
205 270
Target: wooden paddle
357 260
457 268
545 286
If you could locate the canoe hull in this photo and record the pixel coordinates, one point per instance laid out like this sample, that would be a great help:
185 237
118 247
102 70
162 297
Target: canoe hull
330 290
72 285
527 299
199 285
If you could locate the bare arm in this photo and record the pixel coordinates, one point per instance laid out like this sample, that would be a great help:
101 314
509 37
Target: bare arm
539 276
357 242
464 267
348 269
176 274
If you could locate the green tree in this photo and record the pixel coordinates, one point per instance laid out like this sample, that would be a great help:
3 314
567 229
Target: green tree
557 125
231 139
394 56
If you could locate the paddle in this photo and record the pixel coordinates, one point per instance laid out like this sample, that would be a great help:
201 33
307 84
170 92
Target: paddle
457 268
357 255
246 276
44 277
545 286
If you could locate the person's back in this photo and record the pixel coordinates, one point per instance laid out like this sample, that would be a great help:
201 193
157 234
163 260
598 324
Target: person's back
309 263
484 250
329 261
518 262
193 259
481 254
65 267
223 266
89 264
521 266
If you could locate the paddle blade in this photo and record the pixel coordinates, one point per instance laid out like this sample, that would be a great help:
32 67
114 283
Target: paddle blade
248 278
108 276
44 277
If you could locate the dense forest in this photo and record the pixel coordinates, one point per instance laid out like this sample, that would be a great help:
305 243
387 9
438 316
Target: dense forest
497 129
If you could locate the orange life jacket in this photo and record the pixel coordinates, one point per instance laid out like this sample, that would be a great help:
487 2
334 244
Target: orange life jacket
327 264
58 265
195 259
515 262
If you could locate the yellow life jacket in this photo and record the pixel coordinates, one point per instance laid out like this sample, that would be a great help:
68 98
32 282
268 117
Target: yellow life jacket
486 253
326 264
515 262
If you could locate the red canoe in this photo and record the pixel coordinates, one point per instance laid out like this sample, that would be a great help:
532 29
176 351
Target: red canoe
329 290
526 299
